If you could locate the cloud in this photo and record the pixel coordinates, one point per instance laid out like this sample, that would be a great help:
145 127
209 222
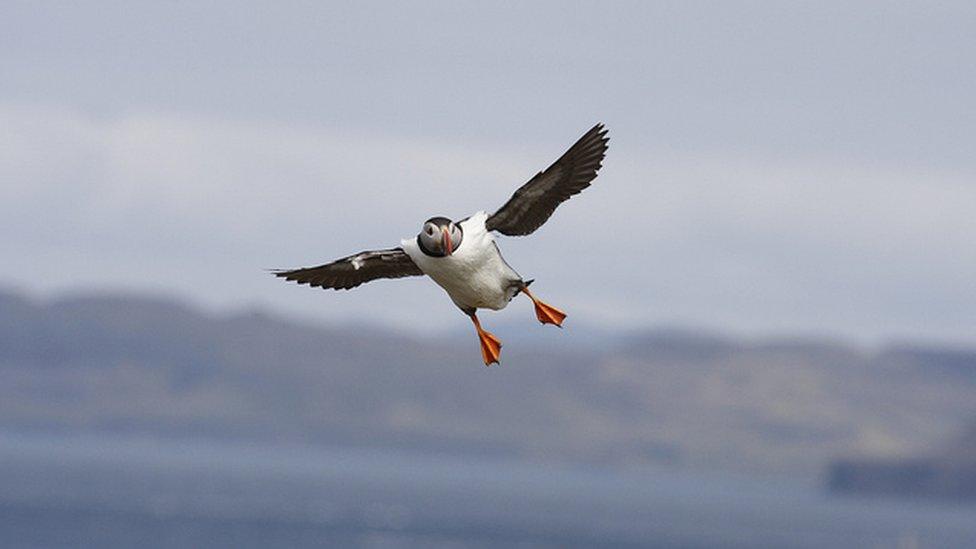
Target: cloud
754 243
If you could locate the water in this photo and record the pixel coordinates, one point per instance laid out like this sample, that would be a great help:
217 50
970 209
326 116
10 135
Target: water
87 491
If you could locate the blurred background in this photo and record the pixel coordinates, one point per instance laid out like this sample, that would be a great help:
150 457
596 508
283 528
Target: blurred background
772 310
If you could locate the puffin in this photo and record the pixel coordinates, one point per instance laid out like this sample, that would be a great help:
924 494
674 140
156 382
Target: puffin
462 257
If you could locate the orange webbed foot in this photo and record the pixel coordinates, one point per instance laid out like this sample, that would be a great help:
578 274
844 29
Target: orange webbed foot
491 346
547 314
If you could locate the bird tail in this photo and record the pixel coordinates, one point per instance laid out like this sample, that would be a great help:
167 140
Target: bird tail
522 287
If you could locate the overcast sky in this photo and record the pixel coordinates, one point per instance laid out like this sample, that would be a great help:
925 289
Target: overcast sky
774 168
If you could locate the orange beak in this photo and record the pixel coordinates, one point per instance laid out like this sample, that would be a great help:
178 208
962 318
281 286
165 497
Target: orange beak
446 243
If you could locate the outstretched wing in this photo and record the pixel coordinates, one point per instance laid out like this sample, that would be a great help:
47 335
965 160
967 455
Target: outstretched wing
352 271
534 202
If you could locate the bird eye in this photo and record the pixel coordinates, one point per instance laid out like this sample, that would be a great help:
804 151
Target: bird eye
430 231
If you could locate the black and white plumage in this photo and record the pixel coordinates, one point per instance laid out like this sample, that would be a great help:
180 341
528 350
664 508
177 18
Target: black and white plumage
463 257
534 202
349 272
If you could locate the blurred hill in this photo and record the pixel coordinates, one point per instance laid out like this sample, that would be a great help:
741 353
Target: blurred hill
946 472
122 363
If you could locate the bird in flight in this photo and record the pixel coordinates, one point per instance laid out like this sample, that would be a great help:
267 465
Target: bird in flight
462 256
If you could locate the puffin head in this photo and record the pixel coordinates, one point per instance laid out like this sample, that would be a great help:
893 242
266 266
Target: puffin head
439 237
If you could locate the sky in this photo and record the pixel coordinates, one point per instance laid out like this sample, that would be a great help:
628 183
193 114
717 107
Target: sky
774 168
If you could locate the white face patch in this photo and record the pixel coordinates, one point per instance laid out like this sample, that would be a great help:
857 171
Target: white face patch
430 236
455 236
